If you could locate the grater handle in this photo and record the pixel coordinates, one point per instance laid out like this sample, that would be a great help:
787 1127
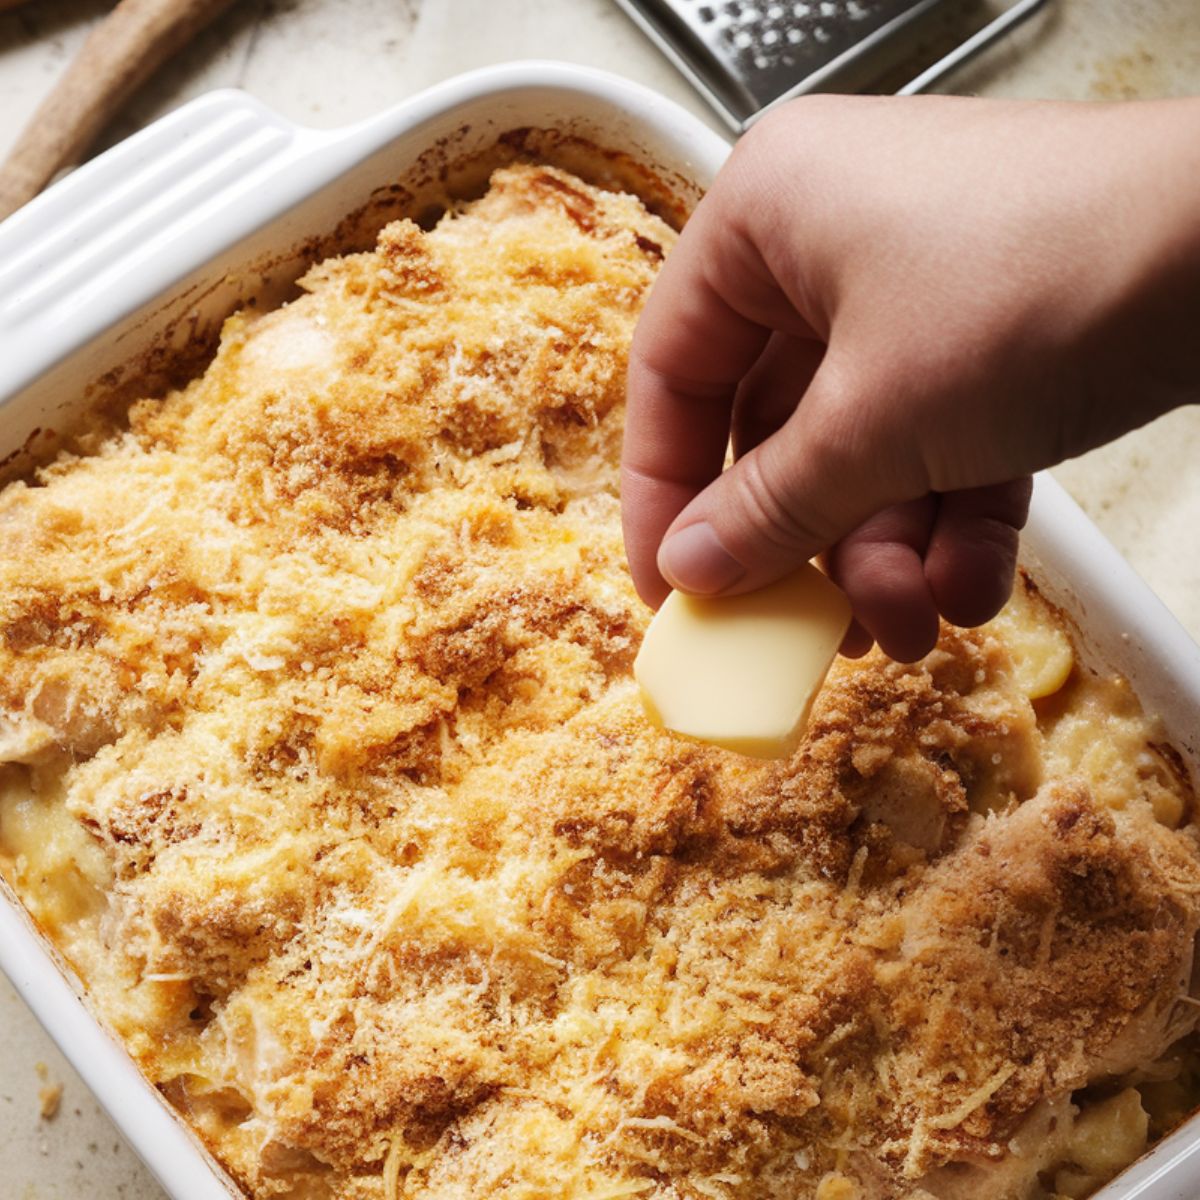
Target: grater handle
961 54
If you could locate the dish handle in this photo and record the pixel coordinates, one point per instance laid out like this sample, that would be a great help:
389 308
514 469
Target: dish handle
114 217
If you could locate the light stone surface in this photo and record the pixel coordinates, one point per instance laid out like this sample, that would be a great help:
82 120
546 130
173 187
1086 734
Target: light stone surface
328 62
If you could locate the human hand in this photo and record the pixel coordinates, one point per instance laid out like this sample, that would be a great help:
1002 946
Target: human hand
898 310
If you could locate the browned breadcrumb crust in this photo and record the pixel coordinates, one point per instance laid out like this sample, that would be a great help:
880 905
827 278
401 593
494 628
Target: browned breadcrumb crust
330 655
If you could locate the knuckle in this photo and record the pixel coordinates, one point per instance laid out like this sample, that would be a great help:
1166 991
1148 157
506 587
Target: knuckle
773 158
997 537
778 517
870 422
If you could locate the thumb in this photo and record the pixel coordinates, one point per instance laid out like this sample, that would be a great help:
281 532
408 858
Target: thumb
819 476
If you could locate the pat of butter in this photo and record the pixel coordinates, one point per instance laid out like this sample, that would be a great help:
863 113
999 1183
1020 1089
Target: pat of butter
742 671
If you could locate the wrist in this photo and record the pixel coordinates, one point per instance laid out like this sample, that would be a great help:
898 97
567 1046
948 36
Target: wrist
1166 226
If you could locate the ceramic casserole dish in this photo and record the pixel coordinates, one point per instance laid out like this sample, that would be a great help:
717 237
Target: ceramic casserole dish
114 284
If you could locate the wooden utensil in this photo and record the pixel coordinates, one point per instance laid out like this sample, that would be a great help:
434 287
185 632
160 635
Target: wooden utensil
128 46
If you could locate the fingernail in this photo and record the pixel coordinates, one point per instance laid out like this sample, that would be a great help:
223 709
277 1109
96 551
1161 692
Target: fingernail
693 560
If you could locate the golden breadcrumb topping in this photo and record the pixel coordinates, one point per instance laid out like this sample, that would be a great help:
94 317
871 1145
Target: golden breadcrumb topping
327 774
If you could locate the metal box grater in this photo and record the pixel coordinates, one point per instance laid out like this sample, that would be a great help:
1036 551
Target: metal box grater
745 55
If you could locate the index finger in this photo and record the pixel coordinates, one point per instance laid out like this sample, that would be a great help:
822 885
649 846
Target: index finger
709 315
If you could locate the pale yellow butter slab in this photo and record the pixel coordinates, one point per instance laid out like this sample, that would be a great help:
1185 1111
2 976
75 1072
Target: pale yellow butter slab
741 672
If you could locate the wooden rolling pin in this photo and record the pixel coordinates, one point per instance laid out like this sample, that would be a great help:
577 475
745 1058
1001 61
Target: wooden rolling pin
128 46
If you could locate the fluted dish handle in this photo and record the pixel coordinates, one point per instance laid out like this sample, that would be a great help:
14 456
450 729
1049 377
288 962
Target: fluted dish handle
99 237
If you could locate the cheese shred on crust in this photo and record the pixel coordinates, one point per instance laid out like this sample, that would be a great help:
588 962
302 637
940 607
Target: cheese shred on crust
327 774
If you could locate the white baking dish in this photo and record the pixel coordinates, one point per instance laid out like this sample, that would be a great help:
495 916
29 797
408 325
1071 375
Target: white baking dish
123 271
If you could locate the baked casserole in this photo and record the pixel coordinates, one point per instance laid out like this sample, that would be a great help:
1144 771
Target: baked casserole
326 773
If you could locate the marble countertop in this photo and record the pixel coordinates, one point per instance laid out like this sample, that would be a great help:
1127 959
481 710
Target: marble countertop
328 62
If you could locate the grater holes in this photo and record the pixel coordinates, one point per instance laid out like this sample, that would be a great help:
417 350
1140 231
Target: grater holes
766 46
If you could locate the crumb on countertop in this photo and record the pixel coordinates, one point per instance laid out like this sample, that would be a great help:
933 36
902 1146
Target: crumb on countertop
50 1098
